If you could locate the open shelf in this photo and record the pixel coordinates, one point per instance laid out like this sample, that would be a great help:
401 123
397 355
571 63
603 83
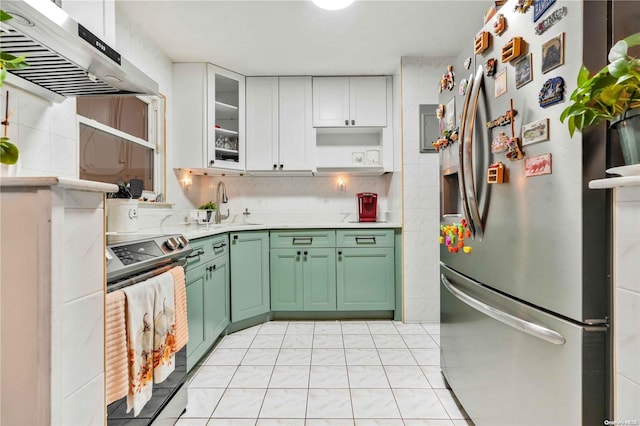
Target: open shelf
226 131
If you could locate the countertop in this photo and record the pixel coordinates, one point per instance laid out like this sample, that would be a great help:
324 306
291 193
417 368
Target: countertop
193 230
615 182
54 181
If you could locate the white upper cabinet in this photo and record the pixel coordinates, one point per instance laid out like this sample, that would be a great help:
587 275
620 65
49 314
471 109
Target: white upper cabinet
209 117
350 101
280 135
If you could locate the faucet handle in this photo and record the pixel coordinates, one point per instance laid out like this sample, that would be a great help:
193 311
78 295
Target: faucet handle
246 212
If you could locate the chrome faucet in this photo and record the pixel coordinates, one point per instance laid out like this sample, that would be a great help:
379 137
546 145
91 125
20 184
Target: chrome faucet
225 199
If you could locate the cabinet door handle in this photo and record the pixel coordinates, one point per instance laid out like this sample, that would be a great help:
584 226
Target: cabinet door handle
306 253
196 254
339 253
298 253
353 122
368 240
211 162
219 246
302 240
235 237
275 166
346 122
281 166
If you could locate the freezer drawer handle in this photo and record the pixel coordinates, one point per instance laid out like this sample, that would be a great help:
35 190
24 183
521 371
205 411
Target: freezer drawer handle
535 330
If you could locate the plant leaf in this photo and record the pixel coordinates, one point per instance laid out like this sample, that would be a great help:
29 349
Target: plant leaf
8 152
611 94
583 75
633 40
572 126
618 51
619 67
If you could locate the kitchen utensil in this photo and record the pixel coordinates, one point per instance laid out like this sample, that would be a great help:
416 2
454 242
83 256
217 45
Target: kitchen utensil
135 188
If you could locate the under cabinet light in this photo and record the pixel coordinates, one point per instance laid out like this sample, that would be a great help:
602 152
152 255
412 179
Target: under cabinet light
332 4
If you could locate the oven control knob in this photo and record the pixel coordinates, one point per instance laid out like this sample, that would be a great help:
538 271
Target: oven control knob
182 241
171 244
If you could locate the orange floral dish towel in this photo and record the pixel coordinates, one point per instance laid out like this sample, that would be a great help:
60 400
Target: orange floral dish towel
150 337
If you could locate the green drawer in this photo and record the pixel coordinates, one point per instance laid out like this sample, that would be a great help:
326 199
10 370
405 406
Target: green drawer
303 238
365 238
206 249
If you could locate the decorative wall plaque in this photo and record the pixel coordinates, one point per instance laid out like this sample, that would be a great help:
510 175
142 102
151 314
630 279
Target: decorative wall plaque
500 24
553 53
490 67
552 92
540 7
523 6
549 21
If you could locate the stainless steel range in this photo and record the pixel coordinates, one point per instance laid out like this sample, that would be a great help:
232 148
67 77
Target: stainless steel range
132 259
129 256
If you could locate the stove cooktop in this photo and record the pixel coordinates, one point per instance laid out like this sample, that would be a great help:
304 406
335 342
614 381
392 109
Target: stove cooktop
129 255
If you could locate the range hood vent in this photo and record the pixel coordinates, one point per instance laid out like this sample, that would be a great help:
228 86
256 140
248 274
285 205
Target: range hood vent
62 62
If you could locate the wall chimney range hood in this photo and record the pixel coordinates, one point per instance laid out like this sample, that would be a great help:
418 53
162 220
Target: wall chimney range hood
65 59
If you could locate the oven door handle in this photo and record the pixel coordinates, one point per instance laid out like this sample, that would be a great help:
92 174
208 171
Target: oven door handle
145 275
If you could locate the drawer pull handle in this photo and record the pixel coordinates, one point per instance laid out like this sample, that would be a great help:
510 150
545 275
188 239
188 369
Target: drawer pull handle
368 240
196 254
219 246
302 240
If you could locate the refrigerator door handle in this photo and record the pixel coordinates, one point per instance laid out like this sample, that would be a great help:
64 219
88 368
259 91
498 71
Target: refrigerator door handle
533 329
461 179
466 148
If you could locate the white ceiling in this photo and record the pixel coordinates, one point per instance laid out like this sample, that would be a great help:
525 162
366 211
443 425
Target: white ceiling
296 38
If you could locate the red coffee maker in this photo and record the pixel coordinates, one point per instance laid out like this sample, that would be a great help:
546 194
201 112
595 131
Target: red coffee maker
367 206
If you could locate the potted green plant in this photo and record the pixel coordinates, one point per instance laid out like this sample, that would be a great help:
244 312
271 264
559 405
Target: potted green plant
613 94
8 151
209 207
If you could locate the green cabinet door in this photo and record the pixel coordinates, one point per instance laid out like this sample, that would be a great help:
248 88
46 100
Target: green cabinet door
249 274
365 279
319 267
286 280
197 345
217 314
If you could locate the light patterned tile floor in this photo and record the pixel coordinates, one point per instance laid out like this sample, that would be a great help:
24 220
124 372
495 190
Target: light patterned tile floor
315 373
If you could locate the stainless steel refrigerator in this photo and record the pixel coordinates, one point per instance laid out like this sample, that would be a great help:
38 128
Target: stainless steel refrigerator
525 313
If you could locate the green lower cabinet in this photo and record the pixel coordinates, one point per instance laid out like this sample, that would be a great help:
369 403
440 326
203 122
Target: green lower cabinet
218 314
286 280
303 279
249 257
207 306
365 279
197 345
319 270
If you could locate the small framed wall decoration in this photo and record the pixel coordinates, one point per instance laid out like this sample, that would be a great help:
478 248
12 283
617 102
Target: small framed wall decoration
500 80
553 53
536 166
524 71
538 131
